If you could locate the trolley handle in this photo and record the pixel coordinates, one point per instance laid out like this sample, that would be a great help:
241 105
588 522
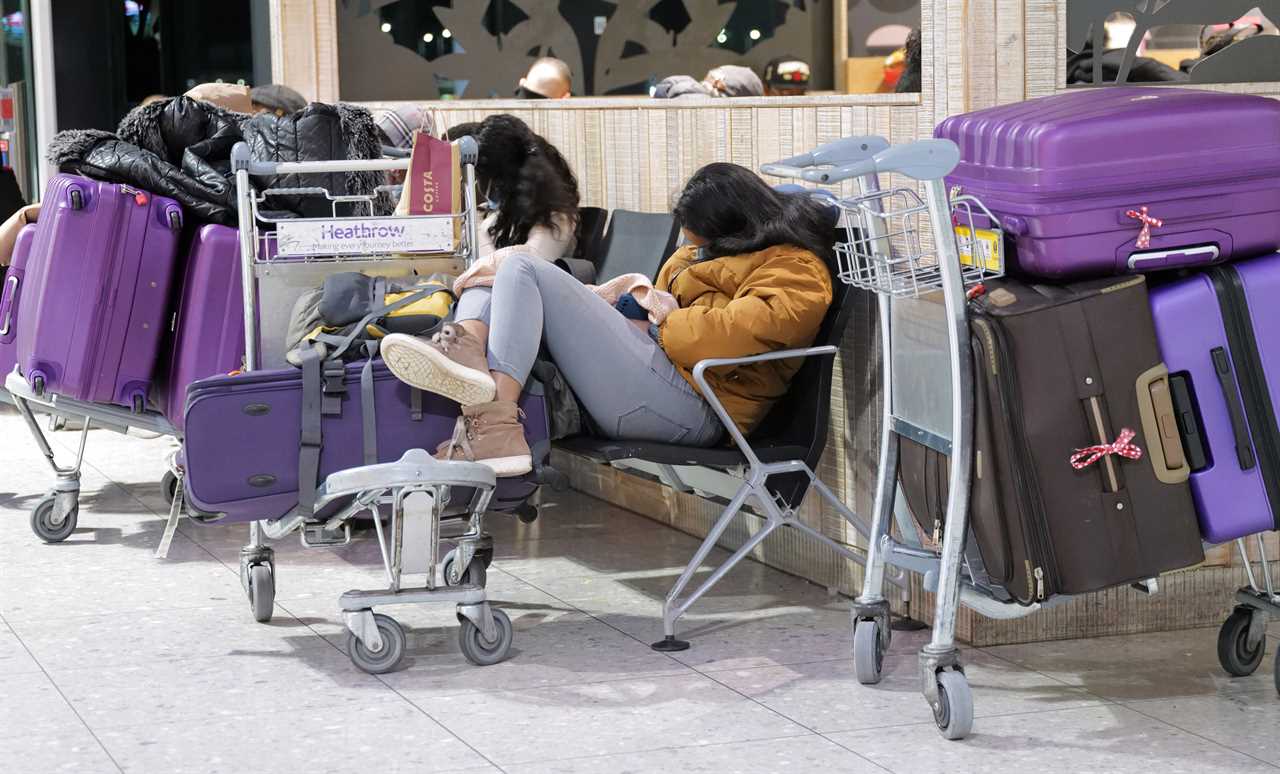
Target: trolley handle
922 160
840 152
468 153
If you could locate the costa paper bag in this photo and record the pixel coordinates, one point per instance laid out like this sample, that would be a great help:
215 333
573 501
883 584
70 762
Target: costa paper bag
433 185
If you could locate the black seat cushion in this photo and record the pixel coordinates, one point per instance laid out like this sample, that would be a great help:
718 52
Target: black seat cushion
605 450
636 243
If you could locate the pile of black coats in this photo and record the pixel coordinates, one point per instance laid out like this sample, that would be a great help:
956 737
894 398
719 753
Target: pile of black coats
181 148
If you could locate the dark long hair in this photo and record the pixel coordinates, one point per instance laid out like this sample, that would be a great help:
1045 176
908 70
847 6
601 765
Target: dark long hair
737 213
526 176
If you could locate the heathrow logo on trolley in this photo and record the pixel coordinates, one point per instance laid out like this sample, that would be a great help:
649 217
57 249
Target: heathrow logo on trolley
364 236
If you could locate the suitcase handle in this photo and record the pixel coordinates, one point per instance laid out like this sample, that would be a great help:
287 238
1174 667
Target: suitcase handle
11 293
1160 426
1235 409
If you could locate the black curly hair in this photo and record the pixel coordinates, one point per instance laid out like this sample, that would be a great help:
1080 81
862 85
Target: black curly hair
737 213
527 177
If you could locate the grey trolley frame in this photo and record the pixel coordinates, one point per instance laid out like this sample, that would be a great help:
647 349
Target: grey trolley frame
902 246
281 279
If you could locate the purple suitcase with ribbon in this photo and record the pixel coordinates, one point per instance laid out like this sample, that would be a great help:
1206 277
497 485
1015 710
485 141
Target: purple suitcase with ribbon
1219 334
14 280
95 304
208 325
1068 177
243 435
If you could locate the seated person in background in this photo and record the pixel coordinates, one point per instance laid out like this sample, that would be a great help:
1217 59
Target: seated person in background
548 78
276 98
528 189
396 126
724 81
786 76
753 279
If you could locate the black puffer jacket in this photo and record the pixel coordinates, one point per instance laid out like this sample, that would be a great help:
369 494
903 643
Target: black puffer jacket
181 148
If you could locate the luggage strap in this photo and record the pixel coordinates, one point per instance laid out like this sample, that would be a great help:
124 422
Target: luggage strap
323 385
311 439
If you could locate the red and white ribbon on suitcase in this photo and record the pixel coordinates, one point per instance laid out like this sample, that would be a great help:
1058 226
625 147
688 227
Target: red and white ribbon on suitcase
1148 223
1123 446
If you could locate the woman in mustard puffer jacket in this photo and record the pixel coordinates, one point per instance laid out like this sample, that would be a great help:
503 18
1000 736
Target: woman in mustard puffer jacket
753 279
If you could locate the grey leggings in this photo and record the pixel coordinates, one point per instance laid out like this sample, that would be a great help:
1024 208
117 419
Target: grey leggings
623 378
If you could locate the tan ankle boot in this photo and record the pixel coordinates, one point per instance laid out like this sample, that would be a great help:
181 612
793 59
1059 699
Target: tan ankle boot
490 433
451 363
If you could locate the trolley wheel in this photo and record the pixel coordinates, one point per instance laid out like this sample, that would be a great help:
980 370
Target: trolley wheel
262 591
1233 644
386 658
868 655
139 404
480 651
474 575
42 521
169 486
954 714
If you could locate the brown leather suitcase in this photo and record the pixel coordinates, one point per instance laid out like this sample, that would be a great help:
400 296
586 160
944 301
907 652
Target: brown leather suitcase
1059 370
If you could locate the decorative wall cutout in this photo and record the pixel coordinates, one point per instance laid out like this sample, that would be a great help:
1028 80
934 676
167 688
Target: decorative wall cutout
642 41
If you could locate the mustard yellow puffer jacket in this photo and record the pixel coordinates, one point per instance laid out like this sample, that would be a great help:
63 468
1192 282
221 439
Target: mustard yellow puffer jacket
741 305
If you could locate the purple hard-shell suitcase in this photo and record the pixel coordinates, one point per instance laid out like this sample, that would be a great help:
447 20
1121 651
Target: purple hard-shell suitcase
96 302
208 325
1068 175
243 433
1219 334
14 280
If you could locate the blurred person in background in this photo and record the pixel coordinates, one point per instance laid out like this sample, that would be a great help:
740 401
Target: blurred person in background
548 78
276 98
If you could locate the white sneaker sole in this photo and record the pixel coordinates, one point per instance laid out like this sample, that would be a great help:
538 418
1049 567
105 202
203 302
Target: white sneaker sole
509 467
420 365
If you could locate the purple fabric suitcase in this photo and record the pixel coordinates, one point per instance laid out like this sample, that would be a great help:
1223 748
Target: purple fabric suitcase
208 326
96 302
243 435
1219 334
13 286
1068 176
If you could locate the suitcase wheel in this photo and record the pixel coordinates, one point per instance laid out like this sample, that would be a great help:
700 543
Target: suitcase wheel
954 713
37 384
175 220
77 199
139 403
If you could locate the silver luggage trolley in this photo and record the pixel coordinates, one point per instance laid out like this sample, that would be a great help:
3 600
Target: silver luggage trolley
282 258
906 248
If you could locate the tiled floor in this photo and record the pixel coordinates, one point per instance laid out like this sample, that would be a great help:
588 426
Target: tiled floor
111 660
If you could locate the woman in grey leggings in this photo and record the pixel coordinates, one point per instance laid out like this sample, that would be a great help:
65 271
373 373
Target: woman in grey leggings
745 285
